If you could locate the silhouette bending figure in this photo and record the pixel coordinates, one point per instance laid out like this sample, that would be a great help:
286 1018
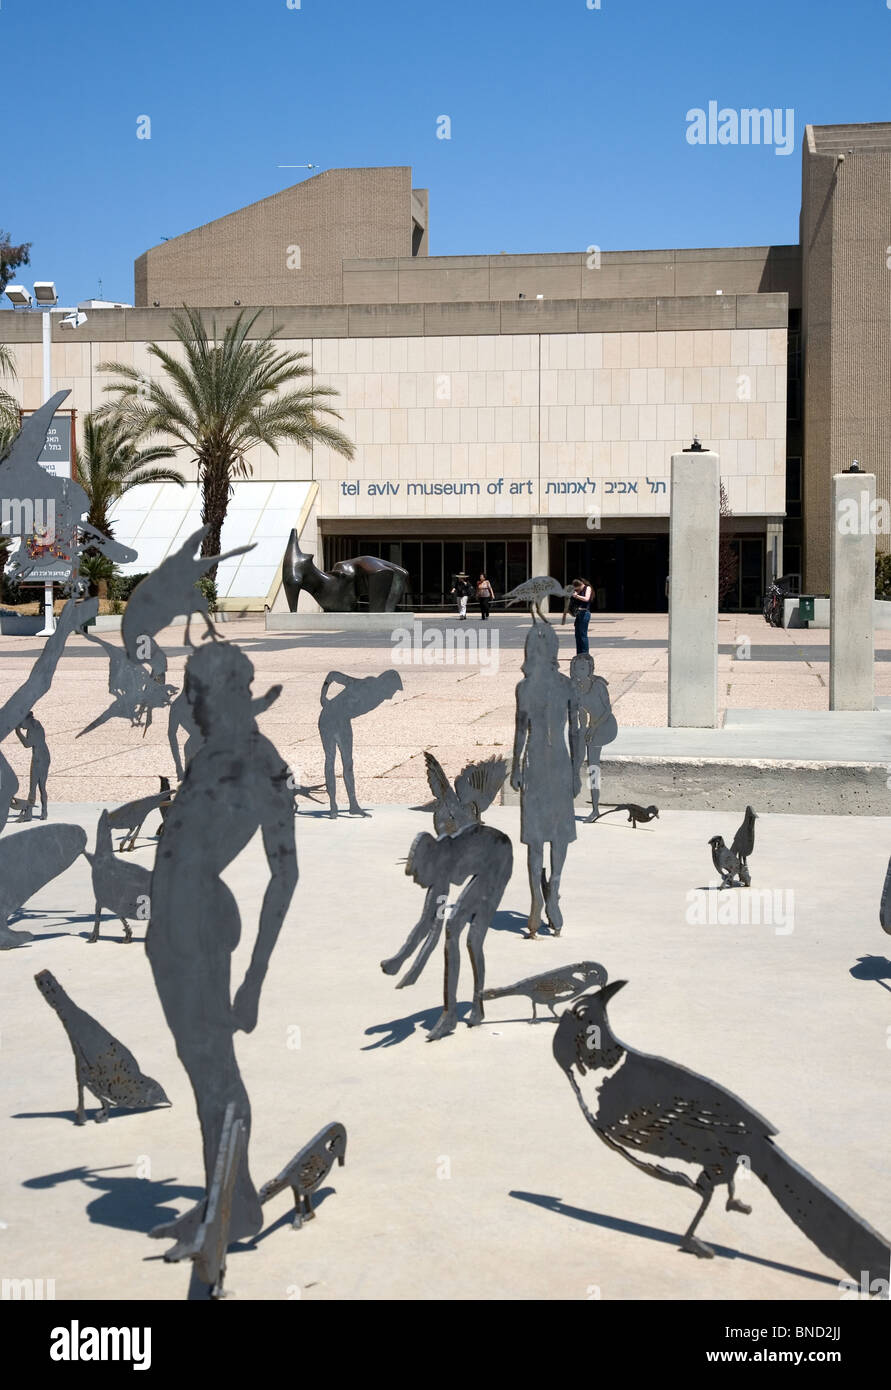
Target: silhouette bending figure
546 770
235 784
597 723
30 734
649 1108
483 855
360 695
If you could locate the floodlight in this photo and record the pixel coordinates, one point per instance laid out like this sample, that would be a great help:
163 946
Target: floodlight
73 320
18 296
45 292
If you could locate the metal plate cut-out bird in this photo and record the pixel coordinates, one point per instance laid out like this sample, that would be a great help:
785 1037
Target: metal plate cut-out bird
476 787
307 1169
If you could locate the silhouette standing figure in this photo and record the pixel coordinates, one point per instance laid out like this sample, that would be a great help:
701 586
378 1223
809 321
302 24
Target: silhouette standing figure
546 769
30 734
597 723
234 785
360 695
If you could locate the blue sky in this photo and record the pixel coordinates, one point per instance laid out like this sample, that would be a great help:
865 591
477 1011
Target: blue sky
568 125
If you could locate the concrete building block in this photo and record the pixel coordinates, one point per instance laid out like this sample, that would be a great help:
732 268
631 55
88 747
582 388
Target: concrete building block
693 591
852 592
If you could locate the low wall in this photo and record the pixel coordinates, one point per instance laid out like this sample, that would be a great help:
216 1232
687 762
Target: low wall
791 618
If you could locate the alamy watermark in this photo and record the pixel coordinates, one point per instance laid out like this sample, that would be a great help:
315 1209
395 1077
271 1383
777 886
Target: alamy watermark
747 126
446 646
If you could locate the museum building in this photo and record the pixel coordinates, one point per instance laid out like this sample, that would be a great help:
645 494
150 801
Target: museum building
517 413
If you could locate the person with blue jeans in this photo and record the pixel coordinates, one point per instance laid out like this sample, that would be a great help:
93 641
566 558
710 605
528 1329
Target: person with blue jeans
582 597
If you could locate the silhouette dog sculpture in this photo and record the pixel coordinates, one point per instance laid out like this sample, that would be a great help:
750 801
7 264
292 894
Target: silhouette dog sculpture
648 1107
379 582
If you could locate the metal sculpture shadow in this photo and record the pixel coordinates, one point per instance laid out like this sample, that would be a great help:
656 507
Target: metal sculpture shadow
649 1107
483 855
131 816
546 770
307 1170
28 862
233 786
597 723
31 734
733 863
102 1064
381 584
360 695
22 702
553 986
637 815
125 889
476 787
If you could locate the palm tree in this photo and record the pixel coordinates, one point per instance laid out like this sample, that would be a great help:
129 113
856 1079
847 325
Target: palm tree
9 407
112 462
224 397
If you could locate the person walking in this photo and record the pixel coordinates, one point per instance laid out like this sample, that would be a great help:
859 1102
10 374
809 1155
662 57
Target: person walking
461 591
485 594
582 595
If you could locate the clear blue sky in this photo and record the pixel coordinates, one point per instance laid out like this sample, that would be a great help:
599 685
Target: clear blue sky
568 124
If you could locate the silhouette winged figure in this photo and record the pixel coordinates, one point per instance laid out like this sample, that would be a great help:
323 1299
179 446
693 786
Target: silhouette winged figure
476 787
648 1107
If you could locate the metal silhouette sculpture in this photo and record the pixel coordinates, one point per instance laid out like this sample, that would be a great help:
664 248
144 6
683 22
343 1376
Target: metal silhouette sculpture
553 986
307 1170
181 717
733 863
597 723
378 582
546 770
23 700
637 815
535 591
207 1250
31 734
61 504
132 815
360 695
102 1064
137 689
28 862
476 787
233 786
170 592
885 904
483 855
125 889
648 1107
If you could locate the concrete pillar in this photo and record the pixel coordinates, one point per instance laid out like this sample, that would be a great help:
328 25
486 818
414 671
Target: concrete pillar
852 592
540 557
693 591
774 548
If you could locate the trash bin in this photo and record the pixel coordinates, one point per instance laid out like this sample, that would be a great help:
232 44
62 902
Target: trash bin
806 608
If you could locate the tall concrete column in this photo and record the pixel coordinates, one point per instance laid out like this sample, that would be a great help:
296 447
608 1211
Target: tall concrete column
693 590
852 592
774 547
540 557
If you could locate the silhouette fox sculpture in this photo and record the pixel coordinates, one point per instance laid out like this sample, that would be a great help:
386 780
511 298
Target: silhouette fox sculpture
647 1106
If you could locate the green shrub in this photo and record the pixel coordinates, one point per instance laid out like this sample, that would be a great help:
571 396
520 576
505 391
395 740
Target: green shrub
883 576
122 586
209 590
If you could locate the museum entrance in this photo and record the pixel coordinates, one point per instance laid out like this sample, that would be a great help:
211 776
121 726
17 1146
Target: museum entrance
433 564
627 573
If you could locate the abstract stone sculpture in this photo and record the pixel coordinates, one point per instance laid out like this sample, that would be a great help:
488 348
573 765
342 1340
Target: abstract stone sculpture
235 784
28 862
382 584
125 889
554 986
545 770
733 863
102 1064
360 695
649 1107
485 856
307 1170
476 787
31 734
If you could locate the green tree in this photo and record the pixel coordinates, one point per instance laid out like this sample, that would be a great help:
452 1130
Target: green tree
112 462
9 406
11 257
219 398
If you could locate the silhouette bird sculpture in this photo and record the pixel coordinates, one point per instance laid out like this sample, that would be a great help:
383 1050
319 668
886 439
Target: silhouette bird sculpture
167 593
649 1107
636 814
132 815
534 591
476 787
102 1063
554 986
307 1170
123 888
744 841
732 864
28 862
